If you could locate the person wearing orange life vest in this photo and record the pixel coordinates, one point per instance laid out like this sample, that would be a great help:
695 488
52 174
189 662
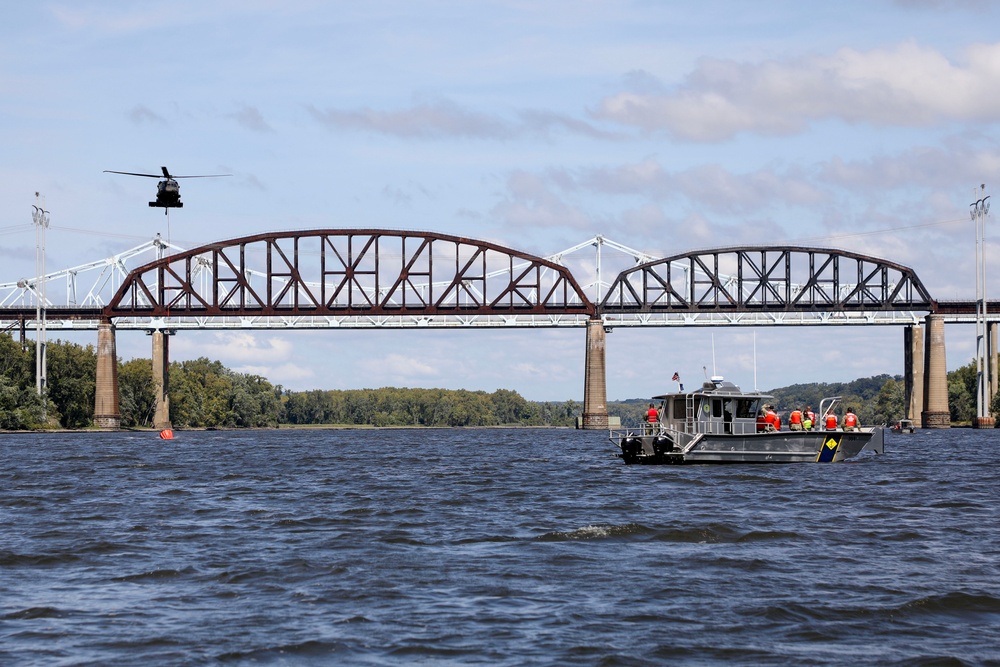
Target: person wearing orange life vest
810 415
771 419
762 421
652 416
831 421
851 420
795 420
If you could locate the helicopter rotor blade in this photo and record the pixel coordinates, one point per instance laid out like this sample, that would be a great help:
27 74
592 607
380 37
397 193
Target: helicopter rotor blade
131 173
166 174
203 176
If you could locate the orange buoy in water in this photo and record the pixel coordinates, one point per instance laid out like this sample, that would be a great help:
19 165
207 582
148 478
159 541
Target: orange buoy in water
166 434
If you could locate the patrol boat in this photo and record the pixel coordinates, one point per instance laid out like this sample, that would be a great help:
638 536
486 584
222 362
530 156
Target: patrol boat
719 424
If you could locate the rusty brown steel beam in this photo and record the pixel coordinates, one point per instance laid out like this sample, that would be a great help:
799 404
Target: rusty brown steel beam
765 277
356 272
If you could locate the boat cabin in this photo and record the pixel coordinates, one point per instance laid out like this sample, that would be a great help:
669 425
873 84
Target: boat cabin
718 407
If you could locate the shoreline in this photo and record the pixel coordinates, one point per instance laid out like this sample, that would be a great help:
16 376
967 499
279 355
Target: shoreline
280 427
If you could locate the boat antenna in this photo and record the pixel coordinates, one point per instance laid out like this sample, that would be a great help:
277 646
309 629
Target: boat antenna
714 373
755 360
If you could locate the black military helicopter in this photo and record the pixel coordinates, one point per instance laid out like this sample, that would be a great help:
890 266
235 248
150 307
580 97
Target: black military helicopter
168 192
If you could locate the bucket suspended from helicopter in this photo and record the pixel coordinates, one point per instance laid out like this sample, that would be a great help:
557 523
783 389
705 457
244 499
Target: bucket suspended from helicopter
168 191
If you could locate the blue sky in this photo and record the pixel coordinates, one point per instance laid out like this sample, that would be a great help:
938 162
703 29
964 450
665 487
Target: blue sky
665 126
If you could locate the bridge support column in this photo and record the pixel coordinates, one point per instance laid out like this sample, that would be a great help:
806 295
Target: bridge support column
991 343
161 379
913 372
595 389
106 407
990 373
936 413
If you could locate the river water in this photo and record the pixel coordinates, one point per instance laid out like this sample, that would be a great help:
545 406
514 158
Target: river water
498 547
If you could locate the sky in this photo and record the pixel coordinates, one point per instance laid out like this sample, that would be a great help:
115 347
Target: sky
664 126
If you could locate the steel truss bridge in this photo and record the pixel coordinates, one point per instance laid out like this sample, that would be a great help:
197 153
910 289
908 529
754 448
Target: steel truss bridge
368 278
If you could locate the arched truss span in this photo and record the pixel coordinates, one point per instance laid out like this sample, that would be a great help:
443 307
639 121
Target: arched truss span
785 279
349 273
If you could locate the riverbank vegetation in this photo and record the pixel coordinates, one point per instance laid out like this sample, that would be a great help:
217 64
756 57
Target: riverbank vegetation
206 394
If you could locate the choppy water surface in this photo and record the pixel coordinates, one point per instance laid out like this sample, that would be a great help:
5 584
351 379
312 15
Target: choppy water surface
500 547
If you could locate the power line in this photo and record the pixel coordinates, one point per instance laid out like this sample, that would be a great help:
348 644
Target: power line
833 237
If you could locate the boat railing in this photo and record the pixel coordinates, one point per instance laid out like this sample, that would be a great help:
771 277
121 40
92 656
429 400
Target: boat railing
654 429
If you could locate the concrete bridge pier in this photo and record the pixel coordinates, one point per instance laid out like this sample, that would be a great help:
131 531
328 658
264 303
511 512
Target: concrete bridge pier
990 373
161 378
936 413
913 376
991 351
106 407
595 388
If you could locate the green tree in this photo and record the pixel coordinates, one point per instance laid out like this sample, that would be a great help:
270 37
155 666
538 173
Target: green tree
962 393
136 397
20 407
71 372
17 365
890 405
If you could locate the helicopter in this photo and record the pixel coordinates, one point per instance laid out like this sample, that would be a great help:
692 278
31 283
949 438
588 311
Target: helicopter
168 192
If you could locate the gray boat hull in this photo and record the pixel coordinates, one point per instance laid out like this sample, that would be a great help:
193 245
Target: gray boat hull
774 447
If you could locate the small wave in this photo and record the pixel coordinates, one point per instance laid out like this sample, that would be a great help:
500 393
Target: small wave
954 603
723 534
35 612
154 575
966 606
356 619
595 533
11 559
307 649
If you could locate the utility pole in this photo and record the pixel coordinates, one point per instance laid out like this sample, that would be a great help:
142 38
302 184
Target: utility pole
980 208
41 219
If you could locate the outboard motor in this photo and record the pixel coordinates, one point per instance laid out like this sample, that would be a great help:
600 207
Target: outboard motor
631 448
662 445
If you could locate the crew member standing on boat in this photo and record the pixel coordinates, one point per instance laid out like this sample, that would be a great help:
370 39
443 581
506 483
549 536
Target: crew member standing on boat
831 421
811 416
850 420
795 420
652 416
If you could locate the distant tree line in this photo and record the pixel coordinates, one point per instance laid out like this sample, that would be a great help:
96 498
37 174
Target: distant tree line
205 393
390 406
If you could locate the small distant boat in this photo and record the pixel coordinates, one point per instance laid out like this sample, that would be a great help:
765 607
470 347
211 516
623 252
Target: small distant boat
903 426
719 424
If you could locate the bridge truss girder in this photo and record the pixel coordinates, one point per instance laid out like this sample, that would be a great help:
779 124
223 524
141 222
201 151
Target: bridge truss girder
844 289
817 284
353 273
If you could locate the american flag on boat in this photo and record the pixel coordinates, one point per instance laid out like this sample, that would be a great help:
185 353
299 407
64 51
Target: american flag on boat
676 378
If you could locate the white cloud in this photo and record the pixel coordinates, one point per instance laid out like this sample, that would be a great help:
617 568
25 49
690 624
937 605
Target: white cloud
903 86
282 374
443 118
143 114
530 202
113 20
250 118
235 348
400 369
440 118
